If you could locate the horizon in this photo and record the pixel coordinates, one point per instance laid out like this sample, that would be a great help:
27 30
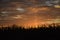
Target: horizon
34 26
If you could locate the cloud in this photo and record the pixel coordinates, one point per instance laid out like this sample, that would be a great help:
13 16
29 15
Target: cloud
18 17
57 6
28 11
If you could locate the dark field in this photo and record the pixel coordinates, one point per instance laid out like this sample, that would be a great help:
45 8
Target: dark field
18 33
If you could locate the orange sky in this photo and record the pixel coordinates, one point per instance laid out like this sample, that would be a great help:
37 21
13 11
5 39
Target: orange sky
29 13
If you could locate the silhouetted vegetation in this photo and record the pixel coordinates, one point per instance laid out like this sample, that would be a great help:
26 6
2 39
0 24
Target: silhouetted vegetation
51 28
51 32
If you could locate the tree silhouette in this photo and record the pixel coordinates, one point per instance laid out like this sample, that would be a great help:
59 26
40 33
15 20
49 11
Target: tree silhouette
43 27
42 31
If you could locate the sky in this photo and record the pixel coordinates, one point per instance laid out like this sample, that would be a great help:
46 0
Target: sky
29 12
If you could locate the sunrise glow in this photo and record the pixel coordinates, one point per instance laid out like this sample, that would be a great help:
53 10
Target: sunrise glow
29 13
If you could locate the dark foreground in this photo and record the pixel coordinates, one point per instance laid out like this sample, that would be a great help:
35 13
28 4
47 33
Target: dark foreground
43 33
